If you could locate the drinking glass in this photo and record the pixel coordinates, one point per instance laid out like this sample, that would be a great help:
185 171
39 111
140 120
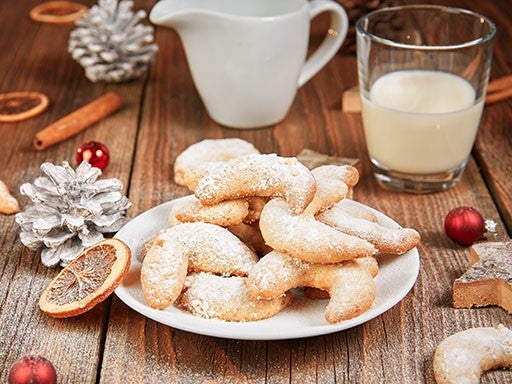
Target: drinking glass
423 73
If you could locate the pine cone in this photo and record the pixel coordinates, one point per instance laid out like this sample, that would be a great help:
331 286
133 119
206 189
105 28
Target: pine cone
70 211
111 44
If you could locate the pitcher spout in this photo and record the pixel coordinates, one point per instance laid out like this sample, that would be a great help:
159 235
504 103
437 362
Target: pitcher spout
169 13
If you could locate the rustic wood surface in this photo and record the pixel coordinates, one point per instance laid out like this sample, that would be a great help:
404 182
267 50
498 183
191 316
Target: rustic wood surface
162 115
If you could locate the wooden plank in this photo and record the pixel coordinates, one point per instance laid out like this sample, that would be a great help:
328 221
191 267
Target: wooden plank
34 57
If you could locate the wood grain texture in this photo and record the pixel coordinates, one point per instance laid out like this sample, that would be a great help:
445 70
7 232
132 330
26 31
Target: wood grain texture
493 155
162 116
35 58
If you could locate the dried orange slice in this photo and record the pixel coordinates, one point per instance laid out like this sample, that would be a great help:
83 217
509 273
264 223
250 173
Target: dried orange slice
17 106
87 280
57 12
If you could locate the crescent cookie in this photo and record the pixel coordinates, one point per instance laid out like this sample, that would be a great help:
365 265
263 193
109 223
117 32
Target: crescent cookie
346 173
332 185
256 205
226 298
209 150
163 272
464 356
250 235
369 263
258 175
146 246
189 209
358 212
190 247
191 177
303 237
387 240
350 285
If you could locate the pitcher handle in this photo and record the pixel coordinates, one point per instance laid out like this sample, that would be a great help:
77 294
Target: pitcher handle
332 42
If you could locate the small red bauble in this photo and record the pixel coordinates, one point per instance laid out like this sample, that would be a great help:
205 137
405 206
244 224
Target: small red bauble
464 225
93 152
32 369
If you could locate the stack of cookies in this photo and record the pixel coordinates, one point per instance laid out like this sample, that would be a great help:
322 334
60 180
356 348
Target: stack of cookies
258 225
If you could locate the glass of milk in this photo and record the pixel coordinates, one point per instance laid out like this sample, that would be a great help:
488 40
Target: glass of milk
423 73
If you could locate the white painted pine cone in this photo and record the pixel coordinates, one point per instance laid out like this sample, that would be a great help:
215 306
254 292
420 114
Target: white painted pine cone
110 42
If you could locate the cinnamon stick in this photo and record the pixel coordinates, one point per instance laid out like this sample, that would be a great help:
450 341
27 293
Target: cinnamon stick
77 121
499 89
495 97
500 84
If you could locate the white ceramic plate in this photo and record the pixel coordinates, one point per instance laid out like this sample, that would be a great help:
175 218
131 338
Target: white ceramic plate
303 318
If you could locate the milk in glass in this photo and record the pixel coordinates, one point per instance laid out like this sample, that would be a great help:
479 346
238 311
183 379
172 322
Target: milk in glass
420 121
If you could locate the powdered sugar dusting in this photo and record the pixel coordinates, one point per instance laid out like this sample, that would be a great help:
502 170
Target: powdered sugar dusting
210 150
462 357
494 262
190 246
163 271
304 237
388 240
258 175
274 269
226 298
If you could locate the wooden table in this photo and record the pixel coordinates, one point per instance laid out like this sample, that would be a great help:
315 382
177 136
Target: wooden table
162 116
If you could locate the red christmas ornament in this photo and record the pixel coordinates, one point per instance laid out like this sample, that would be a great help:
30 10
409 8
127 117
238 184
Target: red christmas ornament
464 225
93 152
32 369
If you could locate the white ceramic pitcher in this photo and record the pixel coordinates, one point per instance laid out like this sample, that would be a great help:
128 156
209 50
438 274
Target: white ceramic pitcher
248 57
